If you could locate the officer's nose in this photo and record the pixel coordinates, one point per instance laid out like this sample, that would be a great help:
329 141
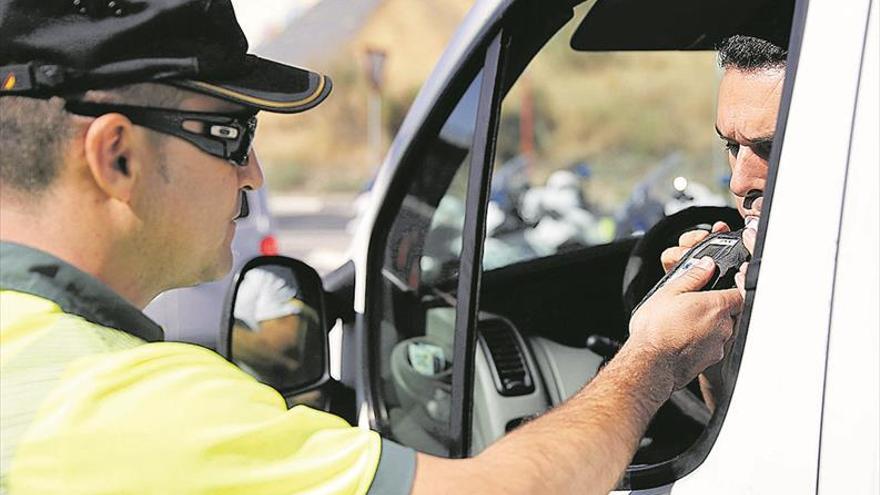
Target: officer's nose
250 176
749 172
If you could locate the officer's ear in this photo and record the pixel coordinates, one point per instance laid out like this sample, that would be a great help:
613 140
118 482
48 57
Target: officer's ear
109 150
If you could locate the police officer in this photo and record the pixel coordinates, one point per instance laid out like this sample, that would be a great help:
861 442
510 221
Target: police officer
126 133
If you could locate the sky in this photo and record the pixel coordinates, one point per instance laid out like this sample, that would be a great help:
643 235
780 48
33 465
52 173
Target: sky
259 18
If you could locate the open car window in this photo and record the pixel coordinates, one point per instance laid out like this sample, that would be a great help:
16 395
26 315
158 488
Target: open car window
597 146
593 150
594 147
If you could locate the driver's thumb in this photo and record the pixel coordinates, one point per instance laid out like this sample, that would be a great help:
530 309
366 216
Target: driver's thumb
695 278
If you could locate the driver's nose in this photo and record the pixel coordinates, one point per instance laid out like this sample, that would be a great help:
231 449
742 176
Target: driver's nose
749 172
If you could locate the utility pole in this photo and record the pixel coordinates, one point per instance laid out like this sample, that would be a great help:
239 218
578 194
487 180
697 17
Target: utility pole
374 67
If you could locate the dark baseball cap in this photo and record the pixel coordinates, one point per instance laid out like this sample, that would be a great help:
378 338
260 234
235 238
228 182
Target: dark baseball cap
60 47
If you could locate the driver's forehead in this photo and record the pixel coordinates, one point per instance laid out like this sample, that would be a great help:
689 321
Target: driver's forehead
748 103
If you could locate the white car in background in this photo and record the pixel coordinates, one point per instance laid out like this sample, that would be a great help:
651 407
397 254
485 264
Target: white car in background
192 314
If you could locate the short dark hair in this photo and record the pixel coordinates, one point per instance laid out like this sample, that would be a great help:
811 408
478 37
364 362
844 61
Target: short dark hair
33 131
748 53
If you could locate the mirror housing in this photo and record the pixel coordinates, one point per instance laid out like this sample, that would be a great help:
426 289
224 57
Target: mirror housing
274 324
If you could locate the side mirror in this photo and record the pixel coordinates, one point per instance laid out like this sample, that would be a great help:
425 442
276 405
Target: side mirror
274 325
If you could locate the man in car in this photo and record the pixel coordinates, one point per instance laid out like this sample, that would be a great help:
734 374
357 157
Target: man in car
126 131
748 102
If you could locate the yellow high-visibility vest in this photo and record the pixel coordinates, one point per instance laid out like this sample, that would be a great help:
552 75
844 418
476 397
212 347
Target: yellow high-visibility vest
89 409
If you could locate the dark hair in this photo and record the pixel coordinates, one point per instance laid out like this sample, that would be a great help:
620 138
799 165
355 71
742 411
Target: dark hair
748 53
31 135
33 132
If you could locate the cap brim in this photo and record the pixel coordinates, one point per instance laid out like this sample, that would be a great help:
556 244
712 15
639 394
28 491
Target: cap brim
268 86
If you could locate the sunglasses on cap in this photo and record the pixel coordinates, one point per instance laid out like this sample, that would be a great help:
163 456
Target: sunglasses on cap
227 136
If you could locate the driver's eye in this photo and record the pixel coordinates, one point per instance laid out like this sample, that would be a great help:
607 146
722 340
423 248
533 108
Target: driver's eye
762 150
732 148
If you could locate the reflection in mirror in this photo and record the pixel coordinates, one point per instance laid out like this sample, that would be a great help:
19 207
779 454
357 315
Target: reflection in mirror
277 331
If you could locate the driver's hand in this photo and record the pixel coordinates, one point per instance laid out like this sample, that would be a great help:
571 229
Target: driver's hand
749 237
688 328
689 239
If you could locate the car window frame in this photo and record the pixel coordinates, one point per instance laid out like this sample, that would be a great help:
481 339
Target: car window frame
510 58
641 477
369 340
472 246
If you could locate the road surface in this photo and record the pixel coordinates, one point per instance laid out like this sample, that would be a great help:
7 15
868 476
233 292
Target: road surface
312 228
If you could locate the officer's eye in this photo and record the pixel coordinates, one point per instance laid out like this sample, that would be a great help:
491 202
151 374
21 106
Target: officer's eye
732 148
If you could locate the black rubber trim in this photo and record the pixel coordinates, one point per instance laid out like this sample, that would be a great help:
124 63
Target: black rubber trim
339 293
472 243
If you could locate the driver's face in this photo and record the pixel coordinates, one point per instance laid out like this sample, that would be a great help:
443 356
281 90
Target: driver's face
748 103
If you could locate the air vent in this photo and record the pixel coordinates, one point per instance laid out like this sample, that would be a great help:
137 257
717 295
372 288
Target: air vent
506 357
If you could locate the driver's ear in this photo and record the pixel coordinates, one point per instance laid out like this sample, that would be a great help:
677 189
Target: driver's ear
109 149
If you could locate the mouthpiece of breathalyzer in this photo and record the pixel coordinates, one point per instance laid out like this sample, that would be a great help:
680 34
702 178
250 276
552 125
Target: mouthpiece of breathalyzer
748 202
751 197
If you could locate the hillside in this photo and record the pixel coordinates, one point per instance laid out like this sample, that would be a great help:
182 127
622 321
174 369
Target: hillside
626 111
326 149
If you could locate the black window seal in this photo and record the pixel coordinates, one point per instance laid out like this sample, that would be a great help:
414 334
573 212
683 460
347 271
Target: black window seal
473 238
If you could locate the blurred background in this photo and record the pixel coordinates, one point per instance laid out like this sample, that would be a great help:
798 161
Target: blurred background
379 52
591 146
374 50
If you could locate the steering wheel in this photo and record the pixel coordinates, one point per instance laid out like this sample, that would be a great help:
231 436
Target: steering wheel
644 270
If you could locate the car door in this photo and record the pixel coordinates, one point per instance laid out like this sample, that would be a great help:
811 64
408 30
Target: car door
423 270
420 258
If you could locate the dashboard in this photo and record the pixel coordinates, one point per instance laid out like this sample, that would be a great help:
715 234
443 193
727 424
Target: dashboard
517 377
558 372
